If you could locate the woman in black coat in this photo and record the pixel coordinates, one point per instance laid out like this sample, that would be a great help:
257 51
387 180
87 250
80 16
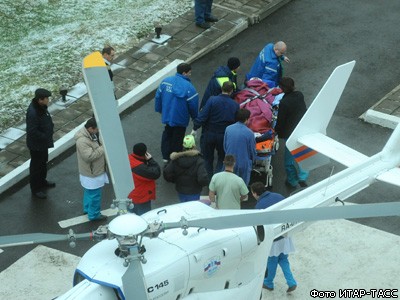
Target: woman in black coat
187 170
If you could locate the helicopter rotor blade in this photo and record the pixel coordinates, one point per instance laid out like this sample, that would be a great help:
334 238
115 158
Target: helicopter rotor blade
133 279
105 109
245 218
38 238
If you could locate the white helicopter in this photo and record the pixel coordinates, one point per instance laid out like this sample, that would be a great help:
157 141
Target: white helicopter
192 251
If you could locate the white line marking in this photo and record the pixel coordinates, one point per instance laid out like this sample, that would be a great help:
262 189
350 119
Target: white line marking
84 218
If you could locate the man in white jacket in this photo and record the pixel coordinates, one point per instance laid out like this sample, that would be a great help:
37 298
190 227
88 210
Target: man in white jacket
281 247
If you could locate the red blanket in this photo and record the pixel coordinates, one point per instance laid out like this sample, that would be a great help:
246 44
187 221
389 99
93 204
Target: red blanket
257 98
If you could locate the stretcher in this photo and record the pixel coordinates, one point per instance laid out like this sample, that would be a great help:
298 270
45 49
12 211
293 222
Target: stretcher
262 103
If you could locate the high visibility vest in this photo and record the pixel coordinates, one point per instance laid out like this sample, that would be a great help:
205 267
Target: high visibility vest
221 81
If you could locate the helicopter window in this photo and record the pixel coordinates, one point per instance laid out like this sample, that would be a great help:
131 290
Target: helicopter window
179 297
260 233
78 278
117 294
226 285
191 290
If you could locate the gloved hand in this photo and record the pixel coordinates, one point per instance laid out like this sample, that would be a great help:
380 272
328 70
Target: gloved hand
194 133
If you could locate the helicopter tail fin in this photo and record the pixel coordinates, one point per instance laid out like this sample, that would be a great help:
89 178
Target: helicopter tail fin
308 143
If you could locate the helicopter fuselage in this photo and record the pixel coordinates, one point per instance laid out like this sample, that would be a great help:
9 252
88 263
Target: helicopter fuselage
203 263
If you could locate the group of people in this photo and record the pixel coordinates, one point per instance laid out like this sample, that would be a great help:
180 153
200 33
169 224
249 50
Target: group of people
224 130
223 124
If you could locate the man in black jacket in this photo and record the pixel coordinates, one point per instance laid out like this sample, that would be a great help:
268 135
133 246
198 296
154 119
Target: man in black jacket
291 109
108 54
187 170
39 137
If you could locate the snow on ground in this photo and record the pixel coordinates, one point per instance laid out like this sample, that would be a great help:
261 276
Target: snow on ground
44 41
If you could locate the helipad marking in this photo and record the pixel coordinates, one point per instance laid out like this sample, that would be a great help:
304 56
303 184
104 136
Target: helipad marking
83 219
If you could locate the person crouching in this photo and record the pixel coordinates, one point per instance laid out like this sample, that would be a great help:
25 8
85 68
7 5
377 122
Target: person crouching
145 171
186 169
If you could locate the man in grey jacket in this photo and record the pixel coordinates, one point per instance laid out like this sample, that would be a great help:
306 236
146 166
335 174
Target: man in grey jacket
92 168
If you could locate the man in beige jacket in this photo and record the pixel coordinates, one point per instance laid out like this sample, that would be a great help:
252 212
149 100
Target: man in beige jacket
92 168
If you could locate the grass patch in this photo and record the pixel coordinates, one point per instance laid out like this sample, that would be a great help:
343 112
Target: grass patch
43 41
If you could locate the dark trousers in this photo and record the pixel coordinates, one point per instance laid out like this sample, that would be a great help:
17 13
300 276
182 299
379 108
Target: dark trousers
171 141
38 169
210 142
202 10
141 208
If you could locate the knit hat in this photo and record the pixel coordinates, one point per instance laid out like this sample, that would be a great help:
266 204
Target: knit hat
42 93
189 142
140 149
233 63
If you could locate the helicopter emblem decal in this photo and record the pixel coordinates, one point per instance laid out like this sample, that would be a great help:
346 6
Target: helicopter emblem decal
212 266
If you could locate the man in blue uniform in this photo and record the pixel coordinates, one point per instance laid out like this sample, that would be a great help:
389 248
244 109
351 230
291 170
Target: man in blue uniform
221 75
218 113
239 141
177 100
268 65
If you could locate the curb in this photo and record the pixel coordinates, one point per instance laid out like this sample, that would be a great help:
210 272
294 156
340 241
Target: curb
67 141
384 112
380 118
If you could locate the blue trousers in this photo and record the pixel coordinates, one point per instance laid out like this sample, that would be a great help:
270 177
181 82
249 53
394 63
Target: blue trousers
210 142
294 173
186 198
244 171
91 202
272 265
202 10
